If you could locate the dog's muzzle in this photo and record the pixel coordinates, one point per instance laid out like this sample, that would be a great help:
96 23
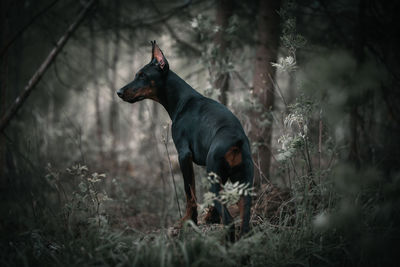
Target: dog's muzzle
120 92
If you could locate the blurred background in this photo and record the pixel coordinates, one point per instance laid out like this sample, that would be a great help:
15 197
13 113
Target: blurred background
315 84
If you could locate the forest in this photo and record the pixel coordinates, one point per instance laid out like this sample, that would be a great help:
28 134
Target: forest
87 179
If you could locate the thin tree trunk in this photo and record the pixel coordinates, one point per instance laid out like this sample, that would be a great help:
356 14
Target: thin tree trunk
3 84
224 13
113 85
98 127
19 101
136 109
266 52
291 95
354 153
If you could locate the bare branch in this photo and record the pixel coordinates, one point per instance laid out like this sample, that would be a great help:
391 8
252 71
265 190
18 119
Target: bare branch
133 24
5 120
194 49
243 80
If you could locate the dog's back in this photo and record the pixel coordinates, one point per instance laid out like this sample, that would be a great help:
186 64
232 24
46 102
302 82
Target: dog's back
202 121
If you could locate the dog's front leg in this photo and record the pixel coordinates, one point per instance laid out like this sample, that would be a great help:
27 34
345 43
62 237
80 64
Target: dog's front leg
186 164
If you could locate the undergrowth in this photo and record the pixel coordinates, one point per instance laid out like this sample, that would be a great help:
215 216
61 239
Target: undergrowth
70 226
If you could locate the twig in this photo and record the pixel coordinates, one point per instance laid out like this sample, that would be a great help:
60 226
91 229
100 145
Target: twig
165 141
258 202
132 25
310 171
290 179
242 80
259 164
5 120
262 175
278 89
194 49
294 168
320 140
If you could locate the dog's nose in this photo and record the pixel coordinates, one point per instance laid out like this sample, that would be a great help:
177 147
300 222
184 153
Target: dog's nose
120 93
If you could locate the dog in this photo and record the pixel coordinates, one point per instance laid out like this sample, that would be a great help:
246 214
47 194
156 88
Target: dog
204 132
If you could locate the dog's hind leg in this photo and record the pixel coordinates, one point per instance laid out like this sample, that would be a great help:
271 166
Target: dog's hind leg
245 201
215 165
222 210
186 164
241 170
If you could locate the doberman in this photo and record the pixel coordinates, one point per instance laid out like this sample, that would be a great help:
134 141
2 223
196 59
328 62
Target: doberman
204 132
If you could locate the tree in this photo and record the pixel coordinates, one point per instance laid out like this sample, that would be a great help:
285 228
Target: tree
113 119
266 52
224 13
3 76
98 122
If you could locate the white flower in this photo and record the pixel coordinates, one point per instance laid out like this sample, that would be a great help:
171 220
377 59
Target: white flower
194 23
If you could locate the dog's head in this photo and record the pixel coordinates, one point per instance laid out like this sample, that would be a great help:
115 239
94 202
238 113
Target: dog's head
149 80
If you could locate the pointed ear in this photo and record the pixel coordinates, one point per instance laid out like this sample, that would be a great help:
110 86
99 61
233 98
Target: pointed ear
158 55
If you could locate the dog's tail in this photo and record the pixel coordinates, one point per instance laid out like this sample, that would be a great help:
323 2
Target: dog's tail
234 154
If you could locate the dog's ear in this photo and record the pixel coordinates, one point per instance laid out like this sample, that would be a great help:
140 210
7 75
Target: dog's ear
158 56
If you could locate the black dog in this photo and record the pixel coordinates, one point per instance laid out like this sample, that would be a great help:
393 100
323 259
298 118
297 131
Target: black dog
204 132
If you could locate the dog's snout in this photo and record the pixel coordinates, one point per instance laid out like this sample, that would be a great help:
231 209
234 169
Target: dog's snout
120 92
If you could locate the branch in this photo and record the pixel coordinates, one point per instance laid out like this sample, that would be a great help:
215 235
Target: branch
133 24
5 120
26 26
194 49
278 89
243 80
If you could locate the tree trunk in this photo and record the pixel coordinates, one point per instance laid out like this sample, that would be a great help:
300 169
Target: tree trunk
224 13
3 79
354 153
98 126
266 52
113 122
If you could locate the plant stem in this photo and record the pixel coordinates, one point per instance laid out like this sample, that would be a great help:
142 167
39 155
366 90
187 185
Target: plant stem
170 170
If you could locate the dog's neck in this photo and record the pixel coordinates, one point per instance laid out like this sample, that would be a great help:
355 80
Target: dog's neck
175 94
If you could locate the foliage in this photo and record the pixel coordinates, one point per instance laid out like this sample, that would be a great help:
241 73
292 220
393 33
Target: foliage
285 64
94 242
296 125
230 192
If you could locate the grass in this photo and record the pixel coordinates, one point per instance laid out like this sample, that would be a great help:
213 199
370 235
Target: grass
51 228
335 215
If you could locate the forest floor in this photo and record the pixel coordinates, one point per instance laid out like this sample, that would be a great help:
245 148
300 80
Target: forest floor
67 219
